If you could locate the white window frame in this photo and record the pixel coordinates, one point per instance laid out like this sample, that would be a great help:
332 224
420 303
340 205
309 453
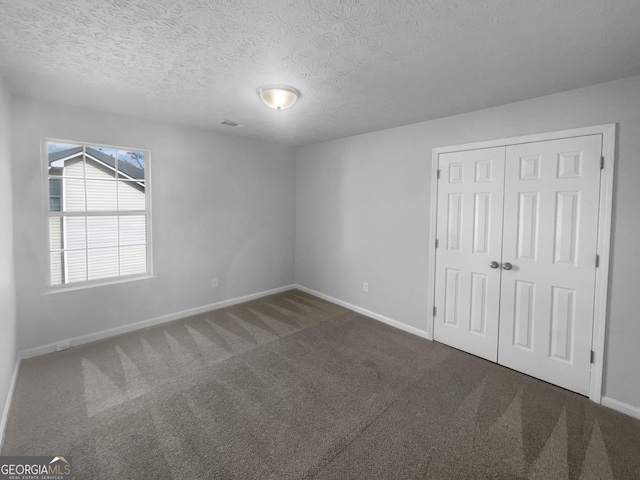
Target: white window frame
48 214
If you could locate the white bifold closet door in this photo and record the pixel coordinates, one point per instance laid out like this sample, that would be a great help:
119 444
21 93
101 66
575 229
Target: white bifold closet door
515 265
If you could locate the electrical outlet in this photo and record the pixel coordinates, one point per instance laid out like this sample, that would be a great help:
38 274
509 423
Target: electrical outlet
365 287
214 283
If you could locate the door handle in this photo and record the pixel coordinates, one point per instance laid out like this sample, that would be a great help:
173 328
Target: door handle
494 264
507 266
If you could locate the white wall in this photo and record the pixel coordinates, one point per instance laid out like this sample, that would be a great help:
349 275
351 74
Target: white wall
363 211
7 279
222 207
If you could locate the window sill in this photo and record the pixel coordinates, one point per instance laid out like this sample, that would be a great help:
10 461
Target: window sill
69 288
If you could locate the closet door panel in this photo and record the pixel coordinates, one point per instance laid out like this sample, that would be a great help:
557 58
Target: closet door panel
469 231
550 235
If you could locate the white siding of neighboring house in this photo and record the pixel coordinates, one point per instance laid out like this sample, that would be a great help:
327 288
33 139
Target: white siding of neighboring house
55 240
104 192
73 186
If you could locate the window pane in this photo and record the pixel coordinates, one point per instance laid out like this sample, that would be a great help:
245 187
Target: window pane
103 262
55 233
102 231
133 259
101 195
74 234
131 165
75 265
55 187
55 194
73 168
131 196
57 267
111 152
54 147
133 230
73 195
99 171
100 163
67 233
60 155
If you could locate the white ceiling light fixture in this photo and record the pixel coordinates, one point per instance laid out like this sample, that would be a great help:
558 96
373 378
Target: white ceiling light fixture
278 97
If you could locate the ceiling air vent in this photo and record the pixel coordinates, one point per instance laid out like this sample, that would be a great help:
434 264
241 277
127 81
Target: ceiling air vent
231 123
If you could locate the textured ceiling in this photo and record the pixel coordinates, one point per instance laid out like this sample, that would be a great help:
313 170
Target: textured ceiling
361 66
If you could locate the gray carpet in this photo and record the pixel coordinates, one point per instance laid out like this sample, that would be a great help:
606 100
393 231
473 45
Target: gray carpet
290 386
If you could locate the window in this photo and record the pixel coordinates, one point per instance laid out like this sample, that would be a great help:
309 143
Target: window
55 201
98 212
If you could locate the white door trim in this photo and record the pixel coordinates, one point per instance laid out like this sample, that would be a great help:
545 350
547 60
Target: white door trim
608 133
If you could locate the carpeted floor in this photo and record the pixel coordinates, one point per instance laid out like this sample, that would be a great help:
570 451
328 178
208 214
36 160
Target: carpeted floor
290 386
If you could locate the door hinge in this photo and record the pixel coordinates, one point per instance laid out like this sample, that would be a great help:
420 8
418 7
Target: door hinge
438 174
593 357
597 261
602 162
435 310
436 243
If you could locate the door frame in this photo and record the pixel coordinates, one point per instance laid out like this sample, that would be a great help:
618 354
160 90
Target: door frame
605 211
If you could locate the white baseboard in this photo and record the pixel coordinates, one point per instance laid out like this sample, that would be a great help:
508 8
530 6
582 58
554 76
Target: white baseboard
111 332
7 404
368 313
621 407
